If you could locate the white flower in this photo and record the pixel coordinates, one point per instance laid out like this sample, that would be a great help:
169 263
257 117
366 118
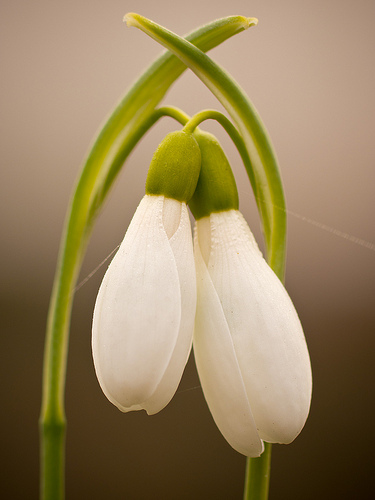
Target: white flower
249 345
144 313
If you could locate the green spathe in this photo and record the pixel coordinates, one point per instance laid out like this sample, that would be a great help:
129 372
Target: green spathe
216 190
175 167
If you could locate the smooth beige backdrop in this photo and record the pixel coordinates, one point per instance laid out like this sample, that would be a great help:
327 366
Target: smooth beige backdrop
309 69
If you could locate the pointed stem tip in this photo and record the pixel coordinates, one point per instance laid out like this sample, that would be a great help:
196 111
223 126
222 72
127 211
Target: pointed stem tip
132 19
251 21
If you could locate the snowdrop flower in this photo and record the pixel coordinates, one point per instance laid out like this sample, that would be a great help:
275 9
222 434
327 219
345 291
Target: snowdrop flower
249 346
144 313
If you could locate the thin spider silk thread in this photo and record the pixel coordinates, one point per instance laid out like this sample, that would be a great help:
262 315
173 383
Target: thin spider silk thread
330 229
85 280
324 227
319 225
182 391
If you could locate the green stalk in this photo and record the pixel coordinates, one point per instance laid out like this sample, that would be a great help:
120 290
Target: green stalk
131 119
268 186
257 475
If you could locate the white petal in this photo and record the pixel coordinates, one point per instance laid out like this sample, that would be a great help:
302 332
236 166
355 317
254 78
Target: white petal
265 329
182 248
218 368
136 326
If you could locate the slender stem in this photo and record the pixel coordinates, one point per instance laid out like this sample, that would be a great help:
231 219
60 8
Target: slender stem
52 419
200 117
53 459
257 475
175 113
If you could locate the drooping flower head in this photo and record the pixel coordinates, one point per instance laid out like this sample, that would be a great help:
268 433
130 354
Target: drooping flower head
249 345
144 313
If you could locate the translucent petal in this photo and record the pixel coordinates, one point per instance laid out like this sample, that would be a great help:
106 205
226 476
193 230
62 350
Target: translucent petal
265 329
137 314
218 369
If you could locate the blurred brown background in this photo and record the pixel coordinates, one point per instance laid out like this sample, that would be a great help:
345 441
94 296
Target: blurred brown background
309 69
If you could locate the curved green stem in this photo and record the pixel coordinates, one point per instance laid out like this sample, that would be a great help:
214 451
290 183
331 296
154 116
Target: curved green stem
270 195
268 191
211 114
175 113
52 418
128 123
